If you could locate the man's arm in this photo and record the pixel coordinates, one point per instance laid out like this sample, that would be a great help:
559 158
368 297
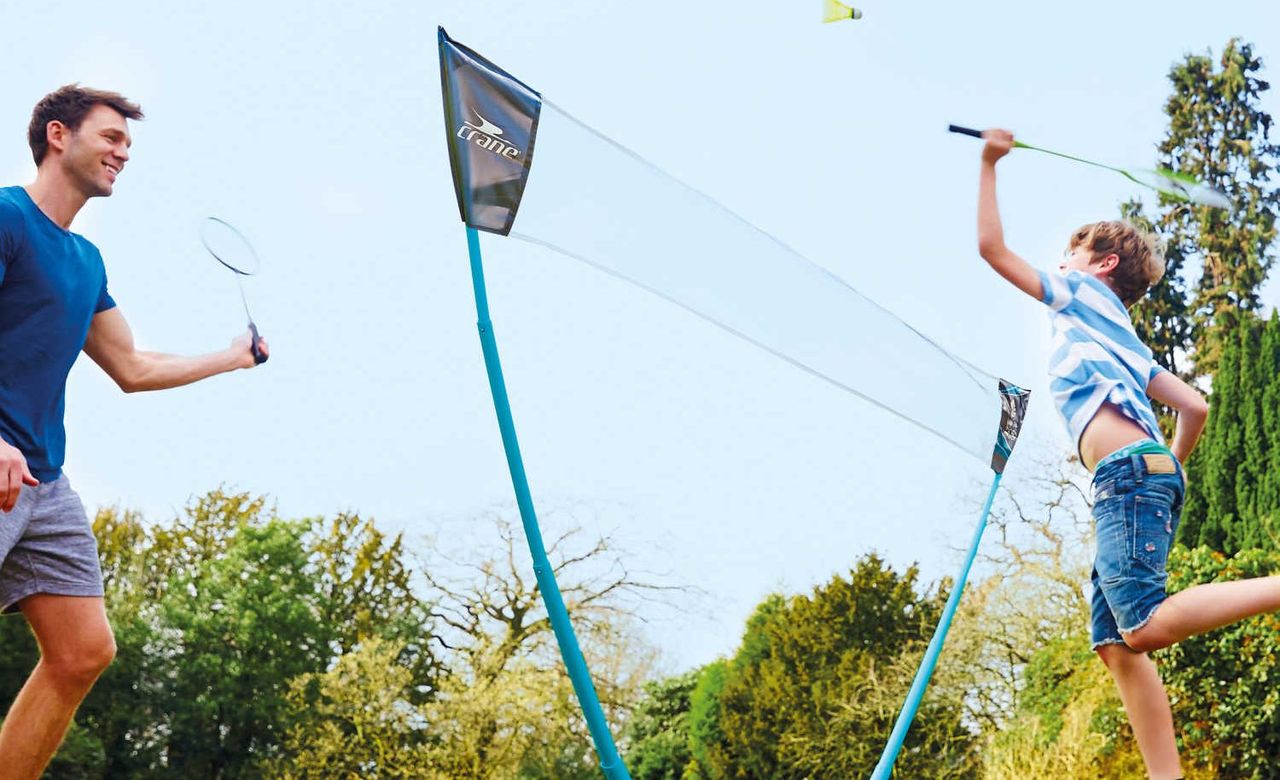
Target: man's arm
110 344
1192 409
991 245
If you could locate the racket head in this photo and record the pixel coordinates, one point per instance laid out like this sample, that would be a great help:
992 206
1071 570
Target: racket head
229 246
1182 187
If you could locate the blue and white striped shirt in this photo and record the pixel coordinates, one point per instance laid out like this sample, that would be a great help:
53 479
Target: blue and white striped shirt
1097 356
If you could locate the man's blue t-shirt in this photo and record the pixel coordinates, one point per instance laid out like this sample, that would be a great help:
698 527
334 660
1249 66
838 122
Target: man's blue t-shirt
52 282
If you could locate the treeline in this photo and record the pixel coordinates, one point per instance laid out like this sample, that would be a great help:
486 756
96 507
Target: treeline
1233 500
814 688
811 693
252 646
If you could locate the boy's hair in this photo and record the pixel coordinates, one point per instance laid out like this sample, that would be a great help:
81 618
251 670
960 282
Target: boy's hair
1141 263
69 105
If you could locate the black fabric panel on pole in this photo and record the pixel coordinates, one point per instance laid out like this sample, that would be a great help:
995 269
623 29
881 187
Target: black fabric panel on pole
491 122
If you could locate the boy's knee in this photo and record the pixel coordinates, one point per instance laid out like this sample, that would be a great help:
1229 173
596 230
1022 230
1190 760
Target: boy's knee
1146 639
1140 645
1114 655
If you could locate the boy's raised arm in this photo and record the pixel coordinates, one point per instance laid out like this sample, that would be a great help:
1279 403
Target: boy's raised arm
991 244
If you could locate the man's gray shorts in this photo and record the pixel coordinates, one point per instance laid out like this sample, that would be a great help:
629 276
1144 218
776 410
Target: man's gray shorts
47 546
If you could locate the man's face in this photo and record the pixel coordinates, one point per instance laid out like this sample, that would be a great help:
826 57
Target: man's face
95 153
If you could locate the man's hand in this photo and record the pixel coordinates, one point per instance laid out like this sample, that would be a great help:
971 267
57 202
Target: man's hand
243 347
999 142
13 475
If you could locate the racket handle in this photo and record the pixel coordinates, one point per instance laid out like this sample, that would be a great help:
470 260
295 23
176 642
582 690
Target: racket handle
965 130
259 357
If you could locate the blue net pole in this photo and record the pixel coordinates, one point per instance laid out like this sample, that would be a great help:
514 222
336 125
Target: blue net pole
884 769
576 665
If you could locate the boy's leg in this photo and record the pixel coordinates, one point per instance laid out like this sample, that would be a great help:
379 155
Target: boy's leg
1147 706
75 646
1203 608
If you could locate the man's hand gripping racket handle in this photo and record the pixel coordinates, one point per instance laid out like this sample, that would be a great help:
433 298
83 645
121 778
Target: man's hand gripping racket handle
259 357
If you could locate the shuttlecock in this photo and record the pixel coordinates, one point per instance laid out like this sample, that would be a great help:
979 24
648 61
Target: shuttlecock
835 11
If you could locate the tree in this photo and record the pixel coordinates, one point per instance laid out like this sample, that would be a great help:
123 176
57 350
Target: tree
1219 134
705 735
1076 739
817 683
240 626
657 735
357 720
1162 318
1233 499
217 610
1035 564
1269 489
366 591
1222 684
506 707
128 700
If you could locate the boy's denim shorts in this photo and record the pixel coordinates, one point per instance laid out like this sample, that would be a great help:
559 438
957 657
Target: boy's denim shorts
1137 504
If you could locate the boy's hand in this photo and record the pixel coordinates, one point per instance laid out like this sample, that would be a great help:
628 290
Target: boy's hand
991 244
999 142
1192 408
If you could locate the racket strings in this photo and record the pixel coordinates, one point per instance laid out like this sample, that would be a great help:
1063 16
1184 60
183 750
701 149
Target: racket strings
229 247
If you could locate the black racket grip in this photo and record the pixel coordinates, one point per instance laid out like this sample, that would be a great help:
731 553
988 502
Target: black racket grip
259 357
965 130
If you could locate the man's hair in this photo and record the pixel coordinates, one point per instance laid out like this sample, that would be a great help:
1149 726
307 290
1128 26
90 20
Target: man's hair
1141 263
69 105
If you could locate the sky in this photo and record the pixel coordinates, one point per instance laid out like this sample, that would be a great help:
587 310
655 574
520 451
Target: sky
316 128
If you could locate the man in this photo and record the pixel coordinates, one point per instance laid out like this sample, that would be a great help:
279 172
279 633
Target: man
54 303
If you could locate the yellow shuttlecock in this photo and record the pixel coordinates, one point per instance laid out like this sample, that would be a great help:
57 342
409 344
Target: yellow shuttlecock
835 11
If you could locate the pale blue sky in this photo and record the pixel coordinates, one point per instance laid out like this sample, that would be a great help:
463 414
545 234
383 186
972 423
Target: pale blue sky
316 127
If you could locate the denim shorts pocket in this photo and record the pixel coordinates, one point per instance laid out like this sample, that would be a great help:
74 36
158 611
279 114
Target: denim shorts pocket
1152 530
1114 550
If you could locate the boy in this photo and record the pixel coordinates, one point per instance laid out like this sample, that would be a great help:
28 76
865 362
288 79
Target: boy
53 304
1101 378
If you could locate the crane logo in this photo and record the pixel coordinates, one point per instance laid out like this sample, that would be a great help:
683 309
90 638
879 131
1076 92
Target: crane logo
487 136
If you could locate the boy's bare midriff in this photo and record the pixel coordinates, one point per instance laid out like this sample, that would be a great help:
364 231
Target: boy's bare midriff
1108 431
